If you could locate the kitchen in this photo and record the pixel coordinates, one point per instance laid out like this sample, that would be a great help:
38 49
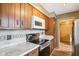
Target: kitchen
27 29
19 21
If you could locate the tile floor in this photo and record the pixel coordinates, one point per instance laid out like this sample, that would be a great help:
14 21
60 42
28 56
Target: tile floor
63 50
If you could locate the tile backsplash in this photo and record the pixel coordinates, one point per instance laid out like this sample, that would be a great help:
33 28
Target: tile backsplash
16 36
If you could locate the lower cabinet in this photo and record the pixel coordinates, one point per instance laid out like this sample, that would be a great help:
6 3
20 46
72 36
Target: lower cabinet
52 45
34 52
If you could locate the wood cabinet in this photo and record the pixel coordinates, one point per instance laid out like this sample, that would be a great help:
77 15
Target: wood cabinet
17 16
11 18
0 15
28 15
52 45
4 15
22 15
34 52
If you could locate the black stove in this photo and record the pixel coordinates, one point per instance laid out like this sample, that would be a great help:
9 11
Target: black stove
38 41
34 38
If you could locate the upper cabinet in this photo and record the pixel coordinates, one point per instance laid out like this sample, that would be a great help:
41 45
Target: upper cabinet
3 16
11 17
22 15
28 16
19 16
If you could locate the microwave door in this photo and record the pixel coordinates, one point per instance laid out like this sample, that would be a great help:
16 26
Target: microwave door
38 22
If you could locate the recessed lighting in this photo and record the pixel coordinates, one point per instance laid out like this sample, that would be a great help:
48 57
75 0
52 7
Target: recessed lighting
64 4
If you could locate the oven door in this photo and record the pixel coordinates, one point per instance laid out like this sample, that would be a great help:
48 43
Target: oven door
38 23
44 45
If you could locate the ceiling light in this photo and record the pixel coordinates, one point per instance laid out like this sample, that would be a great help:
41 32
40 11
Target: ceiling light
64 4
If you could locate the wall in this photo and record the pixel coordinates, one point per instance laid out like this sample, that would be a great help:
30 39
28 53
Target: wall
71 14
18 36
65 28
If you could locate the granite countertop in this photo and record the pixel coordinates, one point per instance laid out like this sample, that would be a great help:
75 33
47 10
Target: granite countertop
48 37
18 50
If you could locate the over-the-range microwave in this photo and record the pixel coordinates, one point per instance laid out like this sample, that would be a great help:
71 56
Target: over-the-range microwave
38 23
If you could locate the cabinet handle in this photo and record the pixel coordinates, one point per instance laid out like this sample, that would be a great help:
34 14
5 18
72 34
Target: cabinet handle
22 23
17 21
0 21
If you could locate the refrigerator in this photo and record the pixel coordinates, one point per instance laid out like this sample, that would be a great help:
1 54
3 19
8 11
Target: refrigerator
76 37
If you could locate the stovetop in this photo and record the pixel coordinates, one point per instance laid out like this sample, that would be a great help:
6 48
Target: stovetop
37 41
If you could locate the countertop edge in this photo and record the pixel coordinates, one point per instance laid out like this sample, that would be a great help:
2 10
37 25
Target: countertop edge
29 51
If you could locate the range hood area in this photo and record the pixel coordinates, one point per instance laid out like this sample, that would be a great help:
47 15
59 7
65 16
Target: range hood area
38 23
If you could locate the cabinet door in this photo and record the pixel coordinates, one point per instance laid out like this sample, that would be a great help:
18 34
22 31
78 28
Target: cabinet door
30 11
28 16
11 15
4 15
17 16
0 15
22 16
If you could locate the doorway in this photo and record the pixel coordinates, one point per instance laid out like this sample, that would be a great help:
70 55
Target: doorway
64 38
65 28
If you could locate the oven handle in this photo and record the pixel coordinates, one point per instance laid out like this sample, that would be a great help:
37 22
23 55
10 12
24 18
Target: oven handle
41 48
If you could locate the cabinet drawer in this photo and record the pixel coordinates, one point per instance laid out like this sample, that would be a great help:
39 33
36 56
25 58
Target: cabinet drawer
34 52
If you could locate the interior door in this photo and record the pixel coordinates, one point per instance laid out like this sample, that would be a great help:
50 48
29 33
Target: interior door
65 30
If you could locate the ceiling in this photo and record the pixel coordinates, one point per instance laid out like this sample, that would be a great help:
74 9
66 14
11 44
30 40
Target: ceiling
60 8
